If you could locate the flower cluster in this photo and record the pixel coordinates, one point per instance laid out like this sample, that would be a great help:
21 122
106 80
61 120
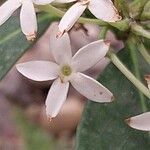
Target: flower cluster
102 9
27 15
66 69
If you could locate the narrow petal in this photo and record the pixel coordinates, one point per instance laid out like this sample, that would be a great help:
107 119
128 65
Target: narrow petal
56 97
38 70
91 88
104 9
140 122
71 16
60 47
42 2
89 55
7 9
28 20
64 1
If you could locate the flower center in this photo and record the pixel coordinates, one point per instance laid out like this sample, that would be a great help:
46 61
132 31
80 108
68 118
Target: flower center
66 70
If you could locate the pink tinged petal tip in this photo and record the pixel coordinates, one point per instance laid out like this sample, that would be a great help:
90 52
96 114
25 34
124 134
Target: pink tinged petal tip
56 98
70 17
39 70
105 10
91 88
28 20
31 37
60 34
140 122
49 118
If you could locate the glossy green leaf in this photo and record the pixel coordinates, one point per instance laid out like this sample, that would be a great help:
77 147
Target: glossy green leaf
102 126
13 43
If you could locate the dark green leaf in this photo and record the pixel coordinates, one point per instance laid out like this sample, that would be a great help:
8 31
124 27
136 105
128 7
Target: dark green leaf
102 126
13 43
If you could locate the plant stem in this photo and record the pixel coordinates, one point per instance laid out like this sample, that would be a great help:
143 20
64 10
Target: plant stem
122 25
117 62
133 52
103 32
144 52
139 30
59 13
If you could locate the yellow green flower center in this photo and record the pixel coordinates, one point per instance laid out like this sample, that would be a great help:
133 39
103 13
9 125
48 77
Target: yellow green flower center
66 70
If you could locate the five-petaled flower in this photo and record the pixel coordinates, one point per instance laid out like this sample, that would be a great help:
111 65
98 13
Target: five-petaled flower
101 9
67 69
27 15
142 121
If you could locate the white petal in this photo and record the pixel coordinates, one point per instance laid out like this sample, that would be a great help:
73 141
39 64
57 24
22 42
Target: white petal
104 9
89 55
60 47
28 20
140 122
42 2
71 16
56 97
7 9
91 88
38 70
64 1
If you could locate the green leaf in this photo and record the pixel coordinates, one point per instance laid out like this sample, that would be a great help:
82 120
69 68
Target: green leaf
13 43
102 126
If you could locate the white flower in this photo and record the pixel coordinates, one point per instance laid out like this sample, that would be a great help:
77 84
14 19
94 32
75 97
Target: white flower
101 9
27 14
140 122
67 70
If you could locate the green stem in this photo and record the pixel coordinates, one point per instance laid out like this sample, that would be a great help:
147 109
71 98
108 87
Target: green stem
133 52
59 13
144 52
139 30
122 25
103 32
117 62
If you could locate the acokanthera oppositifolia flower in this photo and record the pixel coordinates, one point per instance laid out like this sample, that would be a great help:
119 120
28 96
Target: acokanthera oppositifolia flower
27 14
142 121
101 9
67 69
